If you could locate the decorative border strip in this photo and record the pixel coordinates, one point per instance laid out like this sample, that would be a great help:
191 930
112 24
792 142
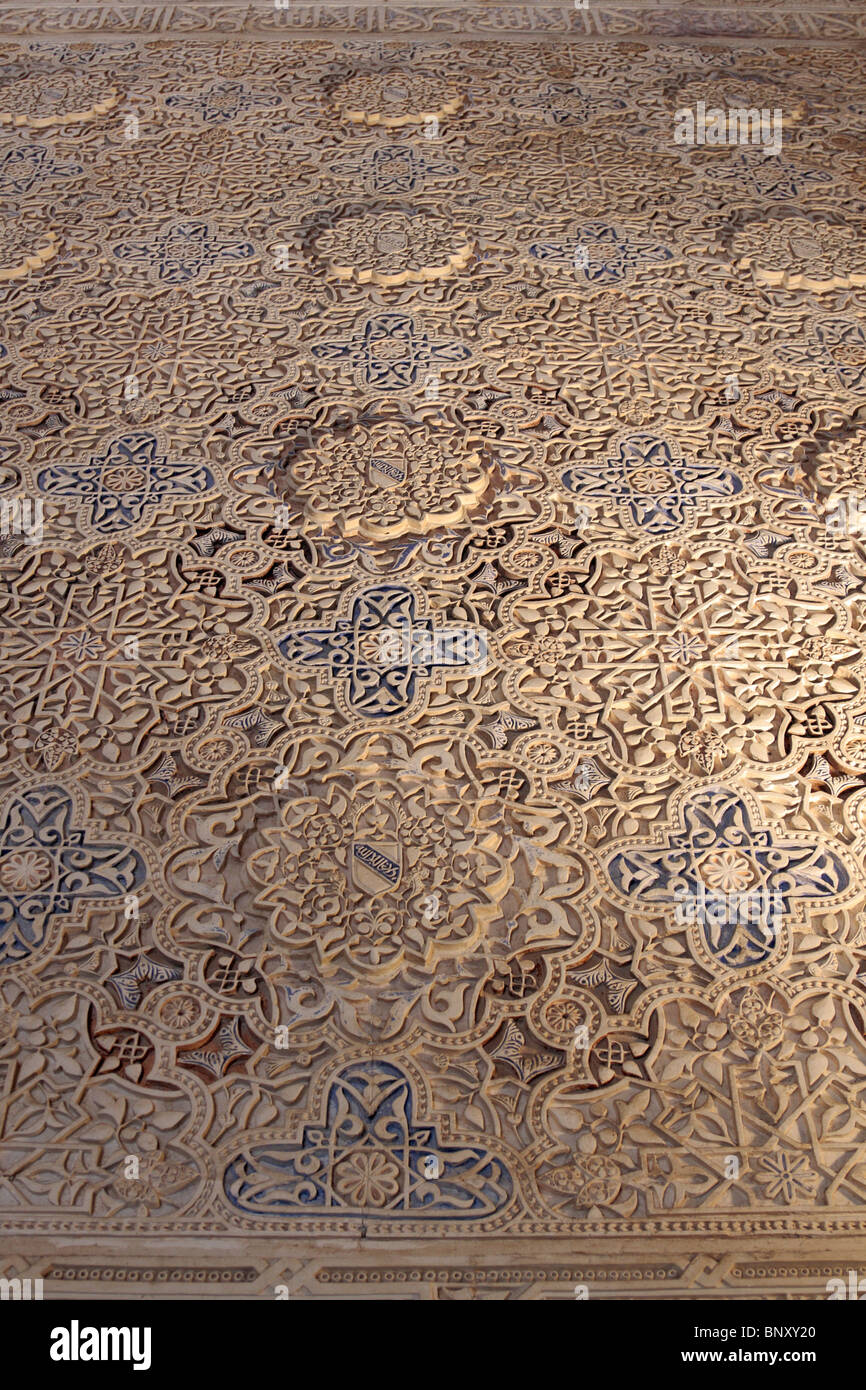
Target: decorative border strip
789 1268
838 22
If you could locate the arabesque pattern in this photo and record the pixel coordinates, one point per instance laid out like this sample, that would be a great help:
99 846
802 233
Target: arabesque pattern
433 684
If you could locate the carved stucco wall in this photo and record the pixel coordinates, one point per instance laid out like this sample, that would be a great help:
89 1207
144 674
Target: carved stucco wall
434 764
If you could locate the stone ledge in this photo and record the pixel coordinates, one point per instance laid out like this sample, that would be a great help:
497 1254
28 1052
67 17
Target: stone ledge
787 1268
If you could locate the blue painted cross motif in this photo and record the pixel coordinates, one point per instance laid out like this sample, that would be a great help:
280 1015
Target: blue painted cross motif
369 1158
733 879
131 475
24 166
382 651
393 168
389 350
648 476
766 178
179 251
565 103
223 101
603 253
47 865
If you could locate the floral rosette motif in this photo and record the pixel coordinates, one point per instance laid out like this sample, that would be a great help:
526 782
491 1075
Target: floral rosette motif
795 254
369 877
395 99
56 99
23 249
390 479
394 248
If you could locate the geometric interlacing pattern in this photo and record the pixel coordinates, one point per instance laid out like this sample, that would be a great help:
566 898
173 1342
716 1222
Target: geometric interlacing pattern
433 683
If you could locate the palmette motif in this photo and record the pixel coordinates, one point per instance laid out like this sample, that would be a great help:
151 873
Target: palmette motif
432 683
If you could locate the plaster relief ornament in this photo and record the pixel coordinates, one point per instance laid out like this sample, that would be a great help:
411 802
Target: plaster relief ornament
27 167
358 878
602 254
841 475
180 252
121 479
656 488
396 166
732 879
384 653
827 357
394 249
56 99
390 479
671 656
367 1156
433 699
741 93
795 254
48 862
23 249
395 99
566 104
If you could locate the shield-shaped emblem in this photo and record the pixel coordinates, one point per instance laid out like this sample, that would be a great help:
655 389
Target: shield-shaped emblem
376 866
387 470
390 240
